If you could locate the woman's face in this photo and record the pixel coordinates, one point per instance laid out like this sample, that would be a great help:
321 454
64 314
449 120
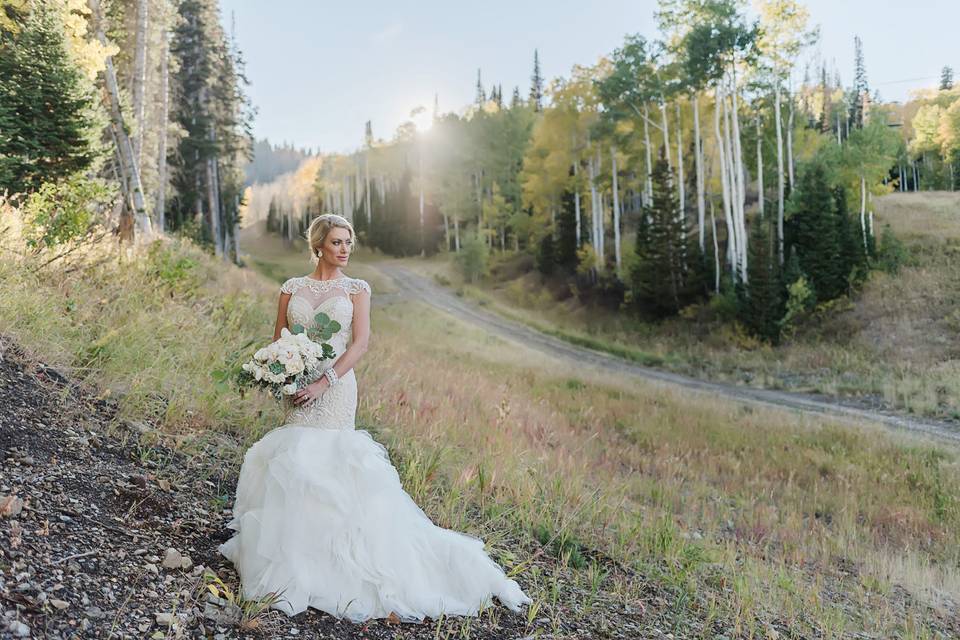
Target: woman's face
337 246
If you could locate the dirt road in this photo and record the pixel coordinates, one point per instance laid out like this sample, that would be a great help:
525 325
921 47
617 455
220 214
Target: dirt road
412 285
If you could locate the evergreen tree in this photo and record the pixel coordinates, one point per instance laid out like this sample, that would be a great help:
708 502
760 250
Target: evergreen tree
667 274
536 84
546 256
814 221
46 105
761 306
566 240
946 78
481 96
861 92
515 100
852 258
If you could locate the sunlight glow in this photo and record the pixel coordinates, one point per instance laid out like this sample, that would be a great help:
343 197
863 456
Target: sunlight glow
422 119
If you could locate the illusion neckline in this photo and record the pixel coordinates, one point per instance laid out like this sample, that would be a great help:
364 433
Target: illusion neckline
330 280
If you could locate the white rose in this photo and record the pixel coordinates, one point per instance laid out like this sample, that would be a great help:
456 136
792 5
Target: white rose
289 389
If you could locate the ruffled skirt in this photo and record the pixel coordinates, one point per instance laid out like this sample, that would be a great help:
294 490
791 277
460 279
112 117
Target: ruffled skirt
321 518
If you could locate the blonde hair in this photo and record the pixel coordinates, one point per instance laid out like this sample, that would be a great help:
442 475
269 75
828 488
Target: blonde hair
320 227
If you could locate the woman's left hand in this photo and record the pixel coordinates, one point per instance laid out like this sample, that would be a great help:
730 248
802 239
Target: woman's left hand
310 392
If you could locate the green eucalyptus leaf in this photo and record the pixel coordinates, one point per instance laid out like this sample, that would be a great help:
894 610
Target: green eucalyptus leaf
297 328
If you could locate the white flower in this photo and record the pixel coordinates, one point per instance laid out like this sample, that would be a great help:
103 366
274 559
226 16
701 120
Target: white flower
289 389
294 366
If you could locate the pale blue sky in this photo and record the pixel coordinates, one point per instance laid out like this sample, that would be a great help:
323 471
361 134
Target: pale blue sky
319 70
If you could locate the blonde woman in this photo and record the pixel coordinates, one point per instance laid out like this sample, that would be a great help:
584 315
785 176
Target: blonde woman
320 516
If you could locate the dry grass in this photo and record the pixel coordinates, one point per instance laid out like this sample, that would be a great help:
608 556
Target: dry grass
746 517
896 341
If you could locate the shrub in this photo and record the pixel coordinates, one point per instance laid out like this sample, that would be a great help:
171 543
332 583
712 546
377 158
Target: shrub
63 212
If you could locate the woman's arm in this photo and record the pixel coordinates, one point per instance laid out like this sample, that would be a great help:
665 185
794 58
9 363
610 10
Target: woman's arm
281 315
360 332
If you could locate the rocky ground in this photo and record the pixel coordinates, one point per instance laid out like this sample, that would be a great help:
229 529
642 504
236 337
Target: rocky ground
105 532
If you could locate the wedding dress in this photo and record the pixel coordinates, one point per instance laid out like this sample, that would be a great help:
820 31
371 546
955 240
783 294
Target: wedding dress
320 514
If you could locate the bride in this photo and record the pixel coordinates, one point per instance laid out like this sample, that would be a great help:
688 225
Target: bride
320 516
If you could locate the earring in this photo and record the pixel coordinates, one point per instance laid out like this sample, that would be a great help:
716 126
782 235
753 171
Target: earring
319 253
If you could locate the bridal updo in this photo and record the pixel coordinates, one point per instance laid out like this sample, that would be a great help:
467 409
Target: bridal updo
320 227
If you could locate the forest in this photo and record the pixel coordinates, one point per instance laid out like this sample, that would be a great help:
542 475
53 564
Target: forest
721 159
716 200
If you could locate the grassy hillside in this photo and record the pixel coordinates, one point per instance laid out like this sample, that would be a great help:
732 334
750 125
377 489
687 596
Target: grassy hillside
613 504
894 343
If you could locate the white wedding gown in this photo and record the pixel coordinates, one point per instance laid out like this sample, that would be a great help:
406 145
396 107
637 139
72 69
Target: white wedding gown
320 514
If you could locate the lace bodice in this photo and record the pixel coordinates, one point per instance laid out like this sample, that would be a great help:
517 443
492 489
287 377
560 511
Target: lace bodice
332 297
336 409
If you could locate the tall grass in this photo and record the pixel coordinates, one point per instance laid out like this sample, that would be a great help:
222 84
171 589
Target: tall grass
751 519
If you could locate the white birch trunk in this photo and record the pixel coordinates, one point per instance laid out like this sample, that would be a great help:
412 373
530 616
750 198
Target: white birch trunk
790 166
698 152
576 200
741 179
456 232
161 202
600 213
780 185
725 181
647 150
139 79
366 198
132 187
863 209
759 167
681 190
716 250
616 208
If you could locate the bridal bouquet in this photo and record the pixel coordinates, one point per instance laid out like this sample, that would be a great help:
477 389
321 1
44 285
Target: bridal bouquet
292 362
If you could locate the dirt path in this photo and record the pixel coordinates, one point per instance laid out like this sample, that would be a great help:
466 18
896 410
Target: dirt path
413 286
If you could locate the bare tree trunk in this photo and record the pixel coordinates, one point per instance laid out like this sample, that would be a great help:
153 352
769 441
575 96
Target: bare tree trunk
423 251
741 176
646 146
601 237
139 79
132 187
759 167
366 199
790 166
213 202
616 208
161 203
698 153
716 250
780 185
456 232
576 200
863 209
681 189
725 181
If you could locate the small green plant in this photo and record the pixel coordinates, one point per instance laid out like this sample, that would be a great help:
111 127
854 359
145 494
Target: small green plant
473 257
63 212
250 610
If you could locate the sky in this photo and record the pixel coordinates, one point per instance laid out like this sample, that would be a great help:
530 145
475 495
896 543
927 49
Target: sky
318 70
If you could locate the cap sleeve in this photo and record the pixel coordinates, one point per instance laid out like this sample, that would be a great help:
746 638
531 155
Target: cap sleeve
290 285
359 285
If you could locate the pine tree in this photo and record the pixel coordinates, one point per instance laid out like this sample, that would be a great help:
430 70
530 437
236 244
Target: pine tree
814 222
861 92
668 272
946 78
481 97
566 240
46 126
761 307
515 100
536 84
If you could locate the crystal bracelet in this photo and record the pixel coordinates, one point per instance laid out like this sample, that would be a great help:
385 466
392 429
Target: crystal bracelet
332 376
